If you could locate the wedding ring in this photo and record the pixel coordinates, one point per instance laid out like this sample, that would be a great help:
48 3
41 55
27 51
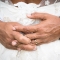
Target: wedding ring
36 42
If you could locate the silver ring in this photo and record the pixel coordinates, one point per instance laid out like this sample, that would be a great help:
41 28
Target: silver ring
36 42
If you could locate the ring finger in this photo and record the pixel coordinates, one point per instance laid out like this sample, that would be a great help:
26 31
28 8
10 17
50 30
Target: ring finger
29 47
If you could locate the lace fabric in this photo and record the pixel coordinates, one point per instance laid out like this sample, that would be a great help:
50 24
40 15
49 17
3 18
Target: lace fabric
49 51
7 2
48 2
43 2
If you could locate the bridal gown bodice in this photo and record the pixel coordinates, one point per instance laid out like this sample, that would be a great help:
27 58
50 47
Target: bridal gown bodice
10 13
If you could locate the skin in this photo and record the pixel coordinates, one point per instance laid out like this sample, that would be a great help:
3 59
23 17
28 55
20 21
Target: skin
46 31
12 39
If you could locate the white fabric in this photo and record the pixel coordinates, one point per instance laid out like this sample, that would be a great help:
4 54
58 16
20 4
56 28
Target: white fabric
50 51
1 18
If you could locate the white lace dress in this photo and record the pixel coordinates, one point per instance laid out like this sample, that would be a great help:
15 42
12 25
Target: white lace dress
8 13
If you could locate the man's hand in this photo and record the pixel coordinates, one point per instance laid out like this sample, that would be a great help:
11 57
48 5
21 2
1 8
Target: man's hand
13 39
47 30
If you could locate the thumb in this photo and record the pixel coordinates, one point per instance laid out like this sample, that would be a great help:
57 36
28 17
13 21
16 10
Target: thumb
21 38
36 15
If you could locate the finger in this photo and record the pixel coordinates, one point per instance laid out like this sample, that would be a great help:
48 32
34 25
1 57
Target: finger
37 15
27 47
32 36
13 48
27 29
22 39
40 41
31 29
37 41
18 28
37 35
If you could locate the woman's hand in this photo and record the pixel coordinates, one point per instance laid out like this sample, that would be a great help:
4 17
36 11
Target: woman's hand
47 30
13 39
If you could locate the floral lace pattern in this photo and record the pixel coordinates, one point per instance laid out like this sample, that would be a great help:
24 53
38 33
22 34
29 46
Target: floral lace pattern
48 2
43 2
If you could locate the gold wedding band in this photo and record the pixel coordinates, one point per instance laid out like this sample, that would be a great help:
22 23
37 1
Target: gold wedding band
36 42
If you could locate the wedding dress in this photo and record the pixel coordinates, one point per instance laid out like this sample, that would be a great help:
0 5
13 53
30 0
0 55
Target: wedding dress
10 13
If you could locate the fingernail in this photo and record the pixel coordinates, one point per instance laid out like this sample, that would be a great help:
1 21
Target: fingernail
14 28
29 15
35 48
14 43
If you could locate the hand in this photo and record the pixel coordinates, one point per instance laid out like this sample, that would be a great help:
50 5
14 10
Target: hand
8 36
47 30
26 45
